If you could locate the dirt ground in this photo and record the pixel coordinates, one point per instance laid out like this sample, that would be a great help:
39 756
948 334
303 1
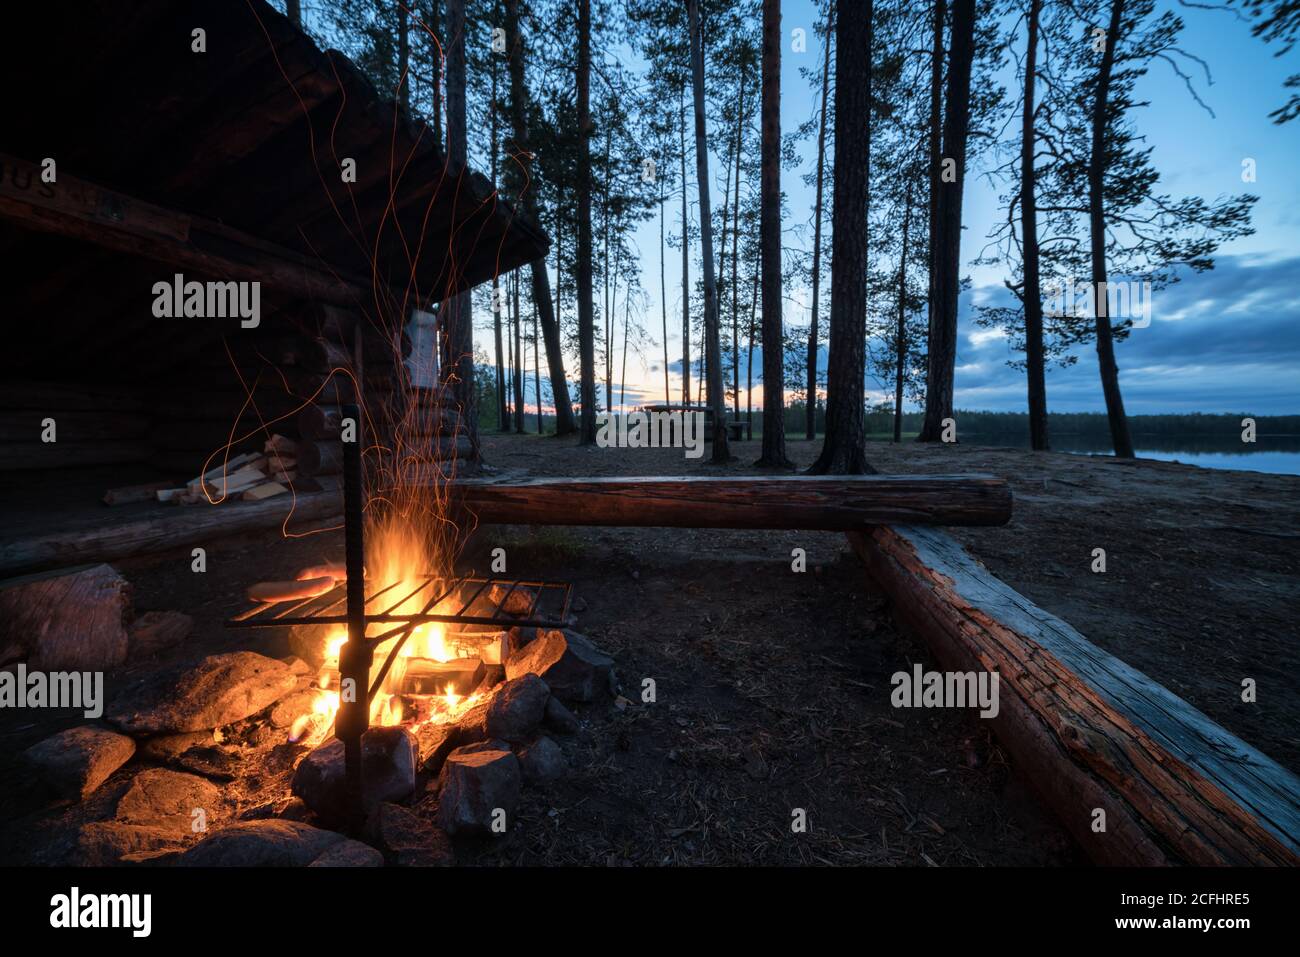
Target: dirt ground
772 687
1202 565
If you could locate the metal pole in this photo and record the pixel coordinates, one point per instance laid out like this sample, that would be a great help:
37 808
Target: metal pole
354 659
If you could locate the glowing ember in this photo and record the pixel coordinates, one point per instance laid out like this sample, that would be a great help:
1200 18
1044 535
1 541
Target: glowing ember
396 555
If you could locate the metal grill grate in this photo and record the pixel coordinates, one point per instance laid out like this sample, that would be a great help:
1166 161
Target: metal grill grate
548 605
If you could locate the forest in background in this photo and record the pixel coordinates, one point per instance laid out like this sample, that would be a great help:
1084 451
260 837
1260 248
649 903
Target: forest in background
594 117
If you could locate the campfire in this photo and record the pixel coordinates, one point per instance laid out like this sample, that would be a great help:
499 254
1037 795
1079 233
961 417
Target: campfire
433 646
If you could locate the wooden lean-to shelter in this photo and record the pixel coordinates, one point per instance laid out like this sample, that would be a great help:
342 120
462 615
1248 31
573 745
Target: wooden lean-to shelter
130 157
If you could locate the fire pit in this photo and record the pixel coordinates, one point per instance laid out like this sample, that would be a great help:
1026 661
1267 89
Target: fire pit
436 663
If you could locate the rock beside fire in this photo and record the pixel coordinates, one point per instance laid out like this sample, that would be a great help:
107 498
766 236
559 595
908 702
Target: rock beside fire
106 843
409 840
389 757
75 762
290 809
181 805
289 709
516 601
517 708
349 853
573 667
559 718
542 761
436 742
165 747
479 788
267 843
220 690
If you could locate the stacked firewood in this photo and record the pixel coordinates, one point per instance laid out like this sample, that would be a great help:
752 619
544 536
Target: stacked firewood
250 477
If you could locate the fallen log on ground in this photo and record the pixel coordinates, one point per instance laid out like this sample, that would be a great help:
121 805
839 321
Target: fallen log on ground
1089 731
167 529
830 503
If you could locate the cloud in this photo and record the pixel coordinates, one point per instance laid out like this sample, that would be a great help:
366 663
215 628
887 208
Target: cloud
1227 340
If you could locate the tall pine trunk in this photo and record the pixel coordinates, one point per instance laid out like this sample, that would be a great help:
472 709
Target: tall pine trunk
541 279
608 321
519 361
663 289
537 370
586 305
502 420
713 339
900 332
686 265
403 56
942 358
935 153
843 452
1119 433
436 54
1033 294
460 319
810 417
769 241
749 353
735 249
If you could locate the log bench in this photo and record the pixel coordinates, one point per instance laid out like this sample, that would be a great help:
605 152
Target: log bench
1089 731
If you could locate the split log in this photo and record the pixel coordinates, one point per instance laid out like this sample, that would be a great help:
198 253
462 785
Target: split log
1088 730
426 676
51 455
831 503
167 529
265 490
127 494
73 619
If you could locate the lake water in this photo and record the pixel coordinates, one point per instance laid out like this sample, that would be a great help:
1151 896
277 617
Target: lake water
1278 454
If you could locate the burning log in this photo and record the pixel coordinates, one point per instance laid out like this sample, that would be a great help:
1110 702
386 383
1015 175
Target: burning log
460 676
831 503
1091 732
